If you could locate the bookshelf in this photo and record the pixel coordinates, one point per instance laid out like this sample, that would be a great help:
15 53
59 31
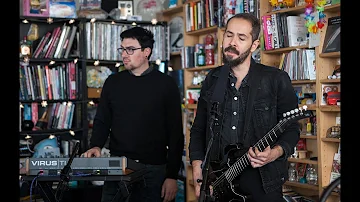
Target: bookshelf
321 147
173 16
191 38
50 83
81 56
107 55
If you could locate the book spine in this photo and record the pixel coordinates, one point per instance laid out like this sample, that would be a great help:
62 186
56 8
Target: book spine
266 21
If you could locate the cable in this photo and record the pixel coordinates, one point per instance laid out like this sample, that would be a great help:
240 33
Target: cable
63 188
325 194
28 143
32 182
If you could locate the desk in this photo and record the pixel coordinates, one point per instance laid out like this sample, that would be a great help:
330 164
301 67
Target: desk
44 183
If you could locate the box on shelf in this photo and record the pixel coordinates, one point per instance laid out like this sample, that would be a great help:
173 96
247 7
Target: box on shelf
62 9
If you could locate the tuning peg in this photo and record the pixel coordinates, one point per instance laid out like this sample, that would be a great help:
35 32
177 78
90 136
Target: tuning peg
296 110
288 113
292 111
304 107
284 115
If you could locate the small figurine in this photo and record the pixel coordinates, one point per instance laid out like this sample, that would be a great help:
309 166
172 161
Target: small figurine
280 4
35 6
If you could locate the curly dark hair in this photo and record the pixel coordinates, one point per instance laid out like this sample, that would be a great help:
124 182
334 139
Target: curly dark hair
144 36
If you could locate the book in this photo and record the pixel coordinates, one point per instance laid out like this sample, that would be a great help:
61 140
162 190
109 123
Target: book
332 35
336 166
297 31
267 32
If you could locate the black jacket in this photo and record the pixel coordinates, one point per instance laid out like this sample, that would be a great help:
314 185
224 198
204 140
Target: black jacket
274 95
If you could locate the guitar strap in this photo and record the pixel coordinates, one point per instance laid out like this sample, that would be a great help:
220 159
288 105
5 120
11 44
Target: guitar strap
254 83
216 99
219 90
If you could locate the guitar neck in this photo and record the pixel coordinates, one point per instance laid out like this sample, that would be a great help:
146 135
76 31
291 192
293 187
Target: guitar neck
243 161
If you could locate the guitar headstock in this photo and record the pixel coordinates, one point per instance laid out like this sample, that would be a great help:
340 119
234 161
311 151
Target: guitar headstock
297 114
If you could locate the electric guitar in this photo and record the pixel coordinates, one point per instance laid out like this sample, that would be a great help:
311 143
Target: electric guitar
222 174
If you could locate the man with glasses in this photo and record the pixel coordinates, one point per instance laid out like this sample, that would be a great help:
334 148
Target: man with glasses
140 110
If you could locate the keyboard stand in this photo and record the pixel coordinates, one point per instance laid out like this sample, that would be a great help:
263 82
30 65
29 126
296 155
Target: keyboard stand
44 183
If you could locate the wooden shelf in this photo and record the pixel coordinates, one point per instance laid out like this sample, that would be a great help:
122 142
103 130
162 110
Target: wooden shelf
313 137
330 81
335 192
50 131
39 19
171 11
284 50
325 139
194 86
293 10
333 8
53 61
330 108
302 185
94 92
321 147
178 53
295 82
191 106
202 31
49 101
306 160
193 69
309 107
330 55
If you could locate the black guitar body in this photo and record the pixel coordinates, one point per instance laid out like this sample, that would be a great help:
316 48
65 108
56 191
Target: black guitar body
221 174
225 191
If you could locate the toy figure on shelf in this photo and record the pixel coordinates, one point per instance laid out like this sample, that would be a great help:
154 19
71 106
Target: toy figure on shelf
333 132
281 4
35 6
336 73
47 148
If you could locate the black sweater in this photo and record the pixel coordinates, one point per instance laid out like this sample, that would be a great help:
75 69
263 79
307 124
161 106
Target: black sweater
142 114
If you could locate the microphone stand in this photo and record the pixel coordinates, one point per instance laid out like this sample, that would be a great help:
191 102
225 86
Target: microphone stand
65 174
204 189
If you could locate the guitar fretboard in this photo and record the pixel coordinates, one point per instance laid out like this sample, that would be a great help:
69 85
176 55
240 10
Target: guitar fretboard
235 169
243 161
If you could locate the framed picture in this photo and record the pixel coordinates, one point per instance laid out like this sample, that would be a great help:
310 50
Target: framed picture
38 8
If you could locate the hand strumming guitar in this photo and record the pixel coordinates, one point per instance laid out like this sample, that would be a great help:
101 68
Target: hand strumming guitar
197 176
258 159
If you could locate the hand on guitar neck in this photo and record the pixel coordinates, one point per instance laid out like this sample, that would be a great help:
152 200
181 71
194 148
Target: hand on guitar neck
258 158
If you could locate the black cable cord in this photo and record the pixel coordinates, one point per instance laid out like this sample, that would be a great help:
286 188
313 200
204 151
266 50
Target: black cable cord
325 194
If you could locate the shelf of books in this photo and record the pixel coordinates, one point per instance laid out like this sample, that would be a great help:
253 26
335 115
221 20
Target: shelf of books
310 54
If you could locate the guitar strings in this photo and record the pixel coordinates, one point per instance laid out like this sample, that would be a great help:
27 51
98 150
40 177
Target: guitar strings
231 172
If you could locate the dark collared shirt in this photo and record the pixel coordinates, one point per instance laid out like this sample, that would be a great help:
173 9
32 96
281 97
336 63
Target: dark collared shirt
148 70
235 107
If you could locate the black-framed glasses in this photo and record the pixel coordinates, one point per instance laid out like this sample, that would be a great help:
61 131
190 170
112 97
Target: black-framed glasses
129 50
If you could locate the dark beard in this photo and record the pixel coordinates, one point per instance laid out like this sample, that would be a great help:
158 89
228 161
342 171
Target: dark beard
239 60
